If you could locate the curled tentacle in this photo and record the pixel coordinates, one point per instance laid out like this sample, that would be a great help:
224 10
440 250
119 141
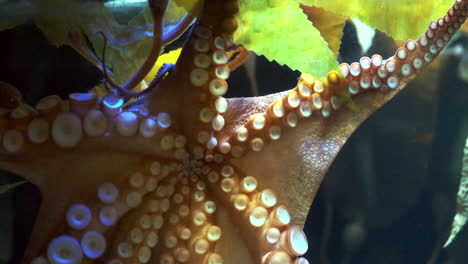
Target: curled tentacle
166 68
210 178
179 29
157 11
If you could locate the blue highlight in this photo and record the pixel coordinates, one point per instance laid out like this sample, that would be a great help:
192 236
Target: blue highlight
78 216
116 103
97 242
64 249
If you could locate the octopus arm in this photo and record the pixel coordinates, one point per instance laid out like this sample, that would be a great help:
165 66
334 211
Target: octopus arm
295 164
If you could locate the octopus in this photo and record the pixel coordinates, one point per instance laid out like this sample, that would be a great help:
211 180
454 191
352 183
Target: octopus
180 174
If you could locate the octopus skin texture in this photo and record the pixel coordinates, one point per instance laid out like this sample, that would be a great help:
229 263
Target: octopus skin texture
185 175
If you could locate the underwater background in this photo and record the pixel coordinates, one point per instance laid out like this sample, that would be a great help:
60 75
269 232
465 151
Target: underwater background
389 197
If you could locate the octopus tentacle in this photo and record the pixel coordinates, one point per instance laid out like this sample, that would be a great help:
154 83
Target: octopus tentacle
81 125
213 105
141 233
268 233
275 107
157 11
205 59
121 91
396 71
179 29
314 95
139 98
176 177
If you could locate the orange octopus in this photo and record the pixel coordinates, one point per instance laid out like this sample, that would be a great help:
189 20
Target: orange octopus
182 174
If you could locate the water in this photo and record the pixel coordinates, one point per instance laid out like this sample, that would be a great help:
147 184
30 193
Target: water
390 195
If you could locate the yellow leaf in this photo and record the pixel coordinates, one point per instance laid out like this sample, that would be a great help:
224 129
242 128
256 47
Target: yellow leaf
464 27
170 57
192 6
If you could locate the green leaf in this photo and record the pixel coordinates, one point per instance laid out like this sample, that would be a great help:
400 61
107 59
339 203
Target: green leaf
59 18
280 31
128 45
69 22
401 19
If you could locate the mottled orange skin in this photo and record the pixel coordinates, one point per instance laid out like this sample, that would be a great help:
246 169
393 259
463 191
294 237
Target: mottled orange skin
293 166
